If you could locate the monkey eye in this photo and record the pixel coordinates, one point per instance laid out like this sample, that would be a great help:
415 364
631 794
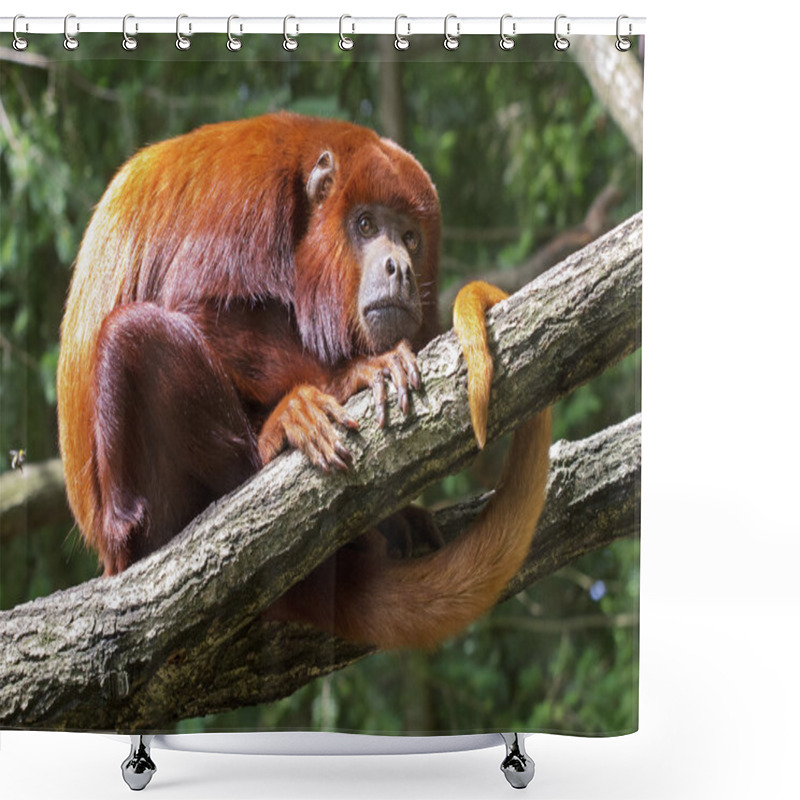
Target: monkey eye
412 241
366 225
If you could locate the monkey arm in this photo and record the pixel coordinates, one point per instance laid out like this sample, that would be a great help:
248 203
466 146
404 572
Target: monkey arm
297 397
259 347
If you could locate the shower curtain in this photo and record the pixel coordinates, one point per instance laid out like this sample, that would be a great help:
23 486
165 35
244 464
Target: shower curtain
535 156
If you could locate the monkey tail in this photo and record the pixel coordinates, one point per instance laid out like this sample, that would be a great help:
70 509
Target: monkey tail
469 321
420 602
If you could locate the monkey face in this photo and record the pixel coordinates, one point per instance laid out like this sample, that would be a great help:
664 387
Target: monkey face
390 252
365 264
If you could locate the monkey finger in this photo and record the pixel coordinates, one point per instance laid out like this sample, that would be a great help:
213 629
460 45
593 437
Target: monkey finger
344 454
319 442
379 395
401 386
331 456
338 414
394 370
334 452
327 440
329 443
307 446
409 363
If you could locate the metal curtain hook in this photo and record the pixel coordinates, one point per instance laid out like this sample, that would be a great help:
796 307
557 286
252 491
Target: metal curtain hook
506 42
289 43
182 42
70 42
451 41
345 42
234 44
128 42
19 43
623 44
561 43
401 42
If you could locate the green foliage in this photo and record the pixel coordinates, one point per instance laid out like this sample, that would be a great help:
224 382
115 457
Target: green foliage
518 147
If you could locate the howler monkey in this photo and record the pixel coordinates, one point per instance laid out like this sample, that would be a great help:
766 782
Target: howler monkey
235 286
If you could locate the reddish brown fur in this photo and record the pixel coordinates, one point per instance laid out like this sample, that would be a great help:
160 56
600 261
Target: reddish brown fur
212 320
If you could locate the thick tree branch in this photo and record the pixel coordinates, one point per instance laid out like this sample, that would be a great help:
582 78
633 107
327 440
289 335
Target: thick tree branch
173 635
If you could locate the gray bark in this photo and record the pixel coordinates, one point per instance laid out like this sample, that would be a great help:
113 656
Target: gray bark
617 80
179 633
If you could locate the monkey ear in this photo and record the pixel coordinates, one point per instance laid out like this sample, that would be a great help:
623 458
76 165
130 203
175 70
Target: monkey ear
320 181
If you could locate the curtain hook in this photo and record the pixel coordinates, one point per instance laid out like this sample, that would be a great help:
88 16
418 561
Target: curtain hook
289 42
70 42
19 43
450 41
128 42
234 43
401 42
506 42
623 44
561 43
345 42
182 42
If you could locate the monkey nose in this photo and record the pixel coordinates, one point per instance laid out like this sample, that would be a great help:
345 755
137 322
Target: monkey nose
397 270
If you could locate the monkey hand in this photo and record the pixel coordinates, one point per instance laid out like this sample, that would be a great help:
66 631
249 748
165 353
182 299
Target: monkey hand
469 321
398 364
304 419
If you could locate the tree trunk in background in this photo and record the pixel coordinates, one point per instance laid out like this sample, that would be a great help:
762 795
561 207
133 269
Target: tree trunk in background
392 108
617 80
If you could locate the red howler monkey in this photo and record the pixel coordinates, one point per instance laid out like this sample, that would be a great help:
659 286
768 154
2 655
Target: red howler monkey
235 286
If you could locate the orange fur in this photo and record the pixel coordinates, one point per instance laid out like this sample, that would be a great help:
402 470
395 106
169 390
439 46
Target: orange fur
213 318
472 302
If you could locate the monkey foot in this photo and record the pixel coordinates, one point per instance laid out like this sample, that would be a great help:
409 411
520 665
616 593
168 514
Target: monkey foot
410 532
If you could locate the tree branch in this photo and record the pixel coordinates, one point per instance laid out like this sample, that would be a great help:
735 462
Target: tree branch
180 634
617 80
32 498
595 223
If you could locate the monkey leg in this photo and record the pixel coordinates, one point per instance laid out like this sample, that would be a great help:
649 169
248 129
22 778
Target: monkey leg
169 432
411 531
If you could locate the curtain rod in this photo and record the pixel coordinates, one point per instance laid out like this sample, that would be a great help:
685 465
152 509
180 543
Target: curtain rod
294 26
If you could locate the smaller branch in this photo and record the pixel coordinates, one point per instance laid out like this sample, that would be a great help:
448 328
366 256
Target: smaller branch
25 58
32 498
482 234
36 61
8 346
595 224
568 624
